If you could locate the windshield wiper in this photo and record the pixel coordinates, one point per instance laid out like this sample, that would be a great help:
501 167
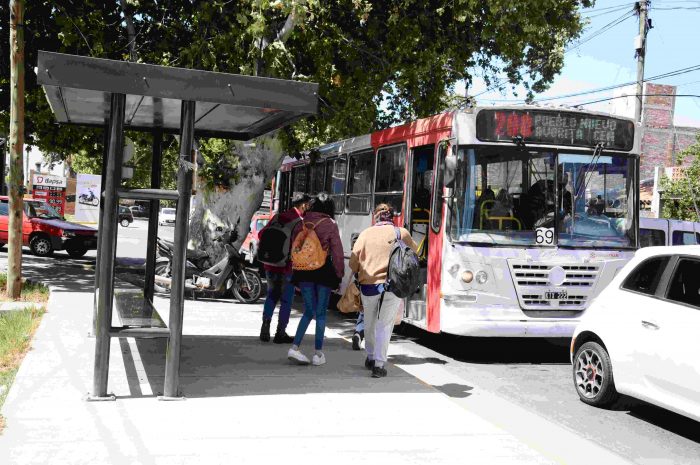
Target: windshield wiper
597 152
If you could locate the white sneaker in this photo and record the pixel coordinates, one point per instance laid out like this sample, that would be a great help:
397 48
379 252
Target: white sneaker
297 356
318 360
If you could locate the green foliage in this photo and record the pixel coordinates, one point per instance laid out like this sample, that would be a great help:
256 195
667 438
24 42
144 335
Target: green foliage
377 62
682 196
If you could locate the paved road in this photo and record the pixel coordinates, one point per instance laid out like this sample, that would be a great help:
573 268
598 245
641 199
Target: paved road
533 376
536 375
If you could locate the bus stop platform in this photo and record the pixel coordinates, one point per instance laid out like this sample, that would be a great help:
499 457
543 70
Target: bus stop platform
244 402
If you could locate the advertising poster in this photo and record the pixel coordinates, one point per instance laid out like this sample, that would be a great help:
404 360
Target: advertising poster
87 198
51 189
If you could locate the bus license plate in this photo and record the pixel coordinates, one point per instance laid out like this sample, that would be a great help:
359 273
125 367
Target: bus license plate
555 295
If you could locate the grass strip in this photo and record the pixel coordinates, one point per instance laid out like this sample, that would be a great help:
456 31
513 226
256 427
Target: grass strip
31 292
16 331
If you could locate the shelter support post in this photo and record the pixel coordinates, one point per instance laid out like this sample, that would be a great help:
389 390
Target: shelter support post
182 216
105 157
108 245
153 208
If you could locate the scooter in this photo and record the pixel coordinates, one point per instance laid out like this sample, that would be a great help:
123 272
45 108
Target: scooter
228 274
89 199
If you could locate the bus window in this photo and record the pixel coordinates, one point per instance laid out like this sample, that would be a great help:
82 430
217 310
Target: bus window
683 238
299 180
360 182
436 207
391 163
651 237
335 182
317 177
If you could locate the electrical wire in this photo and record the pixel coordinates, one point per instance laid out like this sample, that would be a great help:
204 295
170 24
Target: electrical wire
636 95
588 38
677 72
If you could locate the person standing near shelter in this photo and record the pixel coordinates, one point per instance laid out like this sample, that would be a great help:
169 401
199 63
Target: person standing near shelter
370 260
318 262
279 279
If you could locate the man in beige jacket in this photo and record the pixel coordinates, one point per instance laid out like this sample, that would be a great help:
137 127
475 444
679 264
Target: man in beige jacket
370 260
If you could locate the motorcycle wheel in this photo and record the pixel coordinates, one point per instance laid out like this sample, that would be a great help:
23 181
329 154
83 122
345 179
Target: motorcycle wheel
247 293
95 202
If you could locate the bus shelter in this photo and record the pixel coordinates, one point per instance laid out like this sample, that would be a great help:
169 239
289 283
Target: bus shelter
120 95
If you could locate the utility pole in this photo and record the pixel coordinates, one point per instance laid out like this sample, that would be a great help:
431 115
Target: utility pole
640 45
16 184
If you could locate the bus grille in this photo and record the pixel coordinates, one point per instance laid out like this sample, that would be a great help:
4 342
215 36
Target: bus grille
532 283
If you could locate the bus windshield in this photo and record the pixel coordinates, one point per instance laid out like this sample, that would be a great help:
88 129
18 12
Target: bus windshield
516 196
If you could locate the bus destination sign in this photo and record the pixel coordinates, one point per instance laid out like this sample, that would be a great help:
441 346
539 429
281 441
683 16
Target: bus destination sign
555 128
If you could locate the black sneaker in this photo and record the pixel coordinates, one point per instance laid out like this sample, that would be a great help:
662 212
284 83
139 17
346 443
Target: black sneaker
265 331
378 372
356 341
282 338
369 364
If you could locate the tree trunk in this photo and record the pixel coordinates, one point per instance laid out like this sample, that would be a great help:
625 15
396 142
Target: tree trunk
14 246
233 208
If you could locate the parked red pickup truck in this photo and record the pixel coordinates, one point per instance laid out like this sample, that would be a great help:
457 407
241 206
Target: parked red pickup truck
44 230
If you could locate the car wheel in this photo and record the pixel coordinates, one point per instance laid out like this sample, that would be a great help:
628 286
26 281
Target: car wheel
76 252
124 222
593 375
41 246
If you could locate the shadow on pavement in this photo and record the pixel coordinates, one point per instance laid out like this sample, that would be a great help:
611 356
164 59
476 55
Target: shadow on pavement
489 350
216 366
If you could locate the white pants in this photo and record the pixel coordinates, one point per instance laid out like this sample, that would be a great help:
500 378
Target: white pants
379 324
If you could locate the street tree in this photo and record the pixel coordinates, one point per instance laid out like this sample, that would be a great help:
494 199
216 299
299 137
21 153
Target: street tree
377 62
682 196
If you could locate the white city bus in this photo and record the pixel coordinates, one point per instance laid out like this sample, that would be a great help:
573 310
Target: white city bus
523 214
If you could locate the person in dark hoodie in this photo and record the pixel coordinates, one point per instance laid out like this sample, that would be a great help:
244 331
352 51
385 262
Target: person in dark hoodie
316 285
279 281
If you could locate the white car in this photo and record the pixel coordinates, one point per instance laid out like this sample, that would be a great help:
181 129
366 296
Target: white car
166 216
640 337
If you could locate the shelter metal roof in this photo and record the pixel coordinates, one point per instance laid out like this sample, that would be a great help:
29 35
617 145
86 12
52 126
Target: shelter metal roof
227 105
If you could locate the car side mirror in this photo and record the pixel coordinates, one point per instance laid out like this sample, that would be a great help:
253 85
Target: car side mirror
450 170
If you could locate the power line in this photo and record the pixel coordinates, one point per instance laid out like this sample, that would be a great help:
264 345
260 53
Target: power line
588 38
677 72
636 95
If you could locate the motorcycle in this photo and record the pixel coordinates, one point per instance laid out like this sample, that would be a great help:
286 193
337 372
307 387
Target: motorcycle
90 199
231 273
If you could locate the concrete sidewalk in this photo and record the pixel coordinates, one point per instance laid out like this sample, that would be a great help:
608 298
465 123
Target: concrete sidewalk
245 402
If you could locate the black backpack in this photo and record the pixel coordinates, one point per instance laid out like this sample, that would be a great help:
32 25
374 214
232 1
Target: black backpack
275 242
403 273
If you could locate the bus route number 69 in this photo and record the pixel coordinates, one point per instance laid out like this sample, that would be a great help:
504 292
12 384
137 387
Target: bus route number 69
544 236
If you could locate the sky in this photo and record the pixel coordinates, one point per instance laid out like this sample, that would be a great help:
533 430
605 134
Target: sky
608 59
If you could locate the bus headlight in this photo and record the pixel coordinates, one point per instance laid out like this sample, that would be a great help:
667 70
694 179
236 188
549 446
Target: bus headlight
482 277
467 276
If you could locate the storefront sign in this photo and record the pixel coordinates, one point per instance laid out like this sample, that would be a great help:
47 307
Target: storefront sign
51 189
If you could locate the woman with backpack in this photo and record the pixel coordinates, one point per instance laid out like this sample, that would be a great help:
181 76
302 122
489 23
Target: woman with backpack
370 260
318 263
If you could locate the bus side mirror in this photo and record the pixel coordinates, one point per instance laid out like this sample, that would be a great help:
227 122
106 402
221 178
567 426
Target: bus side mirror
450 169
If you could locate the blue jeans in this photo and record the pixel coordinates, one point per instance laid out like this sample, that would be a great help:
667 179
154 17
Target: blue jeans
315 305
279 287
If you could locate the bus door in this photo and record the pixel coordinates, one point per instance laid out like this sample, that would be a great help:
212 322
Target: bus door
417 221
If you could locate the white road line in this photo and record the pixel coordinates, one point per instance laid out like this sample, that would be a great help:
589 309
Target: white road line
140 369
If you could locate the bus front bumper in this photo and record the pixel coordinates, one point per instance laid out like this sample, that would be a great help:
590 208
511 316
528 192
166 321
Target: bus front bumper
468 319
